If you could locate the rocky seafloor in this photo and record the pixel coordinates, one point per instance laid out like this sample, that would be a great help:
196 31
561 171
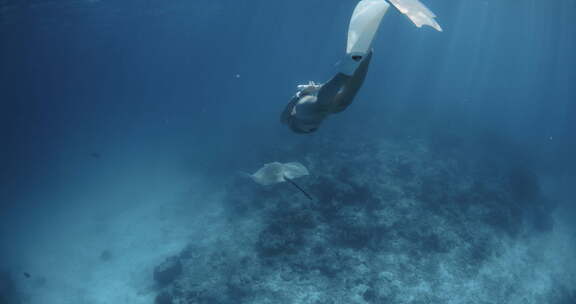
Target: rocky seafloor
391 222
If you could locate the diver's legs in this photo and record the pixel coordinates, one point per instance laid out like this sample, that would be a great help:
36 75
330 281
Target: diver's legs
352 85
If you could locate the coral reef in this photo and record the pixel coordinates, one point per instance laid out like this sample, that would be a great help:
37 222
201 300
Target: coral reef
391 222
168 271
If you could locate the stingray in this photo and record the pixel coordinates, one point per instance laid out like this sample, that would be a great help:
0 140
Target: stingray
275 173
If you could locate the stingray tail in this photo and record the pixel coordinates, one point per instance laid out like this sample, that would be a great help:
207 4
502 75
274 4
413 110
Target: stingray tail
298 187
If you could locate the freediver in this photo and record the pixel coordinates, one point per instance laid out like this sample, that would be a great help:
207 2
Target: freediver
314 102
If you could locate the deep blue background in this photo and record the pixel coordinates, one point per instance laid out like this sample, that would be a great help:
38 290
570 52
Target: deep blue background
86 86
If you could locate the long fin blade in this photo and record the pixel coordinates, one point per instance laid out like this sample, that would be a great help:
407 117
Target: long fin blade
417 12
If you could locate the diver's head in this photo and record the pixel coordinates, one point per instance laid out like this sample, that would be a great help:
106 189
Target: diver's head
303 128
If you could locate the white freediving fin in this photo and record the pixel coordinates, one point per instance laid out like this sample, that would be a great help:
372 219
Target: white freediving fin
364 25
418 13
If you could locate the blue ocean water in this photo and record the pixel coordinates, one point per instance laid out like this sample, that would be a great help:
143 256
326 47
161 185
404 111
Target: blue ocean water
125 124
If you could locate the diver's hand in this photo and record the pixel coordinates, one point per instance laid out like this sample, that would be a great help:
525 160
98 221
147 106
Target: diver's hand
308 89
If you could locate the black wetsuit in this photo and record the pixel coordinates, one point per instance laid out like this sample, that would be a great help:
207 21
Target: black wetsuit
305 112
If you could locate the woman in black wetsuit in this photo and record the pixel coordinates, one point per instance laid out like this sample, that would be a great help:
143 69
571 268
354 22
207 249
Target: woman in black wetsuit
313 103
